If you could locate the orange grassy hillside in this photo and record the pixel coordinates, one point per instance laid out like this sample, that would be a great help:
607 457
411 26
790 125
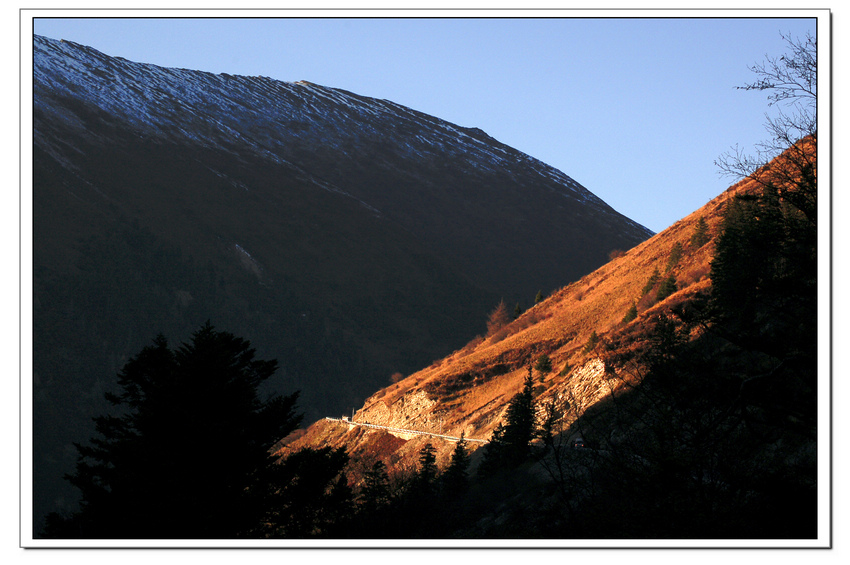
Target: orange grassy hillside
468 391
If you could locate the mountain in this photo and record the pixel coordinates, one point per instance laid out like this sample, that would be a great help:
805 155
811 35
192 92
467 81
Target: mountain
694 423
468 391
350 238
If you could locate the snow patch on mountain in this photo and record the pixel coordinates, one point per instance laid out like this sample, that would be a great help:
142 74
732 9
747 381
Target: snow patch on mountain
267 117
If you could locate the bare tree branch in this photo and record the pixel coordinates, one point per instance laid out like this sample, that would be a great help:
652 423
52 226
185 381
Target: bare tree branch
792 82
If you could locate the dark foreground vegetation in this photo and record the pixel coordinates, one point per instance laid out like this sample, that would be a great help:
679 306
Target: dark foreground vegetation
710 430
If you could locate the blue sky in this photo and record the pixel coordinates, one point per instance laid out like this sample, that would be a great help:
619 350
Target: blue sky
636 110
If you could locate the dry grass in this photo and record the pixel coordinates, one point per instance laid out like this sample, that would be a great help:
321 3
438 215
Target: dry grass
473 385
561 325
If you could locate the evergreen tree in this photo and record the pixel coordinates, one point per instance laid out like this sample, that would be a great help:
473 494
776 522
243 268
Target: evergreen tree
700 236
592 342
188 454
766 253
732 280
667 288
631 314
455 478
520 423
543 364
304 495
650 284
339 509
675 256
376 488
378 506
540 297
428 470
509 445
767 247
494 452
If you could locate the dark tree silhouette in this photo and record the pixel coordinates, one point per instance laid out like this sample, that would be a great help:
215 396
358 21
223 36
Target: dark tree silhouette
592 342
455 478
675 257
304 495
428 470
740 246
375 492
509 445
668 287
631 314
650 284
722 423
188 455
700 236
765 265
543 364
765 268
708 433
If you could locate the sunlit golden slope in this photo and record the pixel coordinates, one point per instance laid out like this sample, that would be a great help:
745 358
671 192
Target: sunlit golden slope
468 391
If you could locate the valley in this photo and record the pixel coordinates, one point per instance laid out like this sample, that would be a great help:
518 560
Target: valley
350 238
382 262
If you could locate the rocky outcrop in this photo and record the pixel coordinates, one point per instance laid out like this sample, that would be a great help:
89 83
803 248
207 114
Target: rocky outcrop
414 410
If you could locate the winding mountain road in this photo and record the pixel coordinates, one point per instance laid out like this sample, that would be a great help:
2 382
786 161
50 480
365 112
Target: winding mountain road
405 431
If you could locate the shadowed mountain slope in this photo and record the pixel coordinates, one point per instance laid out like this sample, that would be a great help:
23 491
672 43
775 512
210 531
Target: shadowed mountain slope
345 236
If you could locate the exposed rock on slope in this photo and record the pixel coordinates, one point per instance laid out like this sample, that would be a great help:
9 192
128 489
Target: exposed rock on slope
468 391
345 236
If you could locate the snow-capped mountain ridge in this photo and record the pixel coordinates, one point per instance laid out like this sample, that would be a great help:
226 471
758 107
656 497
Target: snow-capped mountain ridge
270 117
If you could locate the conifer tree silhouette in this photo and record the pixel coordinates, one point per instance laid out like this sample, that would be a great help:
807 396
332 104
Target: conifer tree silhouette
455 478
509 445
188 455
